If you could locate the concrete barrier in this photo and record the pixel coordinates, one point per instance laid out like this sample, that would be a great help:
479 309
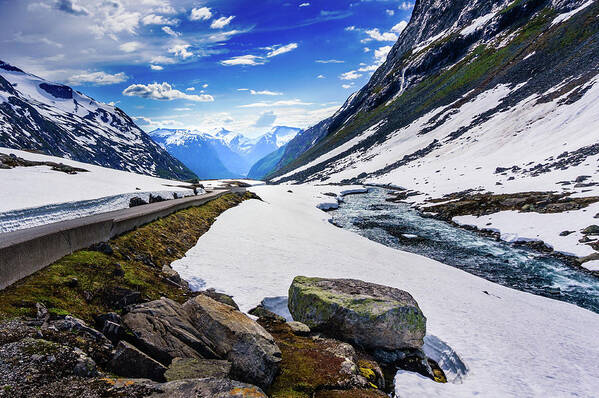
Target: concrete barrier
27 251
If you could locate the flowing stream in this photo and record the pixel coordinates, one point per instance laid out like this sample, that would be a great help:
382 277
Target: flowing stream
399 226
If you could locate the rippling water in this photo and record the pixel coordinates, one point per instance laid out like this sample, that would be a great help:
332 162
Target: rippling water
401 227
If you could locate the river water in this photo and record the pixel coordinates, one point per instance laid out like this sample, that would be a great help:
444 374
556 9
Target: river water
399 226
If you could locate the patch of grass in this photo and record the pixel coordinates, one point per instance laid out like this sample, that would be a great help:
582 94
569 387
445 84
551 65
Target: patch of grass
83 284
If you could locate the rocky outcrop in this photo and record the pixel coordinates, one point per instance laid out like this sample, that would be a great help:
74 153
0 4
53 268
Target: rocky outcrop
204 328
163 329
235 337
210 387
366 314
313 364
191 368
131 362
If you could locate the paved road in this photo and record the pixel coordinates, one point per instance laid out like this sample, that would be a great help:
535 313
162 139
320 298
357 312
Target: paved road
26 251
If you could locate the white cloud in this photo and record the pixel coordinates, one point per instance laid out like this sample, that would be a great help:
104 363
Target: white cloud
251 60
350 28
329 61
181 50
190 89
163 92
205 85
170 32
154 19
406 5
366 49
375 34
278 50
346 86
150 123
200 14
351 75
97 78
381 53
399 27
368 68
161 59
294 102
304 5
130 47
320 77
390 12
221 22
264 92
156 67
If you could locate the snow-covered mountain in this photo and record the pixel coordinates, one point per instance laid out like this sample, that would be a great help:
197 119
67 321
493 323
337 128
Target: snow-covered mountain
221 153
36 114
493 94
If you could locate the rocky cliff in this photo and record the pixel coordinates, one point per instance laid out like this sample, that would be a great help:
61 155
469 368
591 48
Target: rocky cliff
55 119
469 87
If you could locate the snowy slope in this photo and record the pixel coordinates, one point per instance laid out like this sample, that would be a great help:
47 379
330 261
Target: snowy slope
480 95
54 118
31 196
514 344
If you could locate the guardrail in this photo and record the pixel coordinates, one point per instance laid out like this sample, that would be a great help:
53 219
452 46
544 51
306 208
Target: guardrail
27 251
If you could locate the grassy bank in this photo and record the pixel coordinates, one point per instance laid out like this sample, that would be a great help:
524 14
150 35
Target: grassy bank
88 283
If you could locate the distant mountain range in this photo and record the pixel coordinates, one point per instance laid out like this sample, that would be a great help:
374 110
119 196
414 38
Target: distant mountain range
222 153
36 114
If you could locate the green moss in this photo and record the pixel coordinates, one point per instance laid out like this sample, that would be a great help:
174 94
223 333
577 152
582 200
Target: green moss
136 264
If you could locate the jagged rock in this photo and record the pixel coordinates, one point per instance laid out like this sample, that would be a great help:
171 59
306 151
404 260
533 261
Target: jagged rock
298 328
209 387
84 366
193 368
130 362
366 314
137 201
164 330
591 230
235 337
262 312
220 297
78 326
102 247
111 326
174 276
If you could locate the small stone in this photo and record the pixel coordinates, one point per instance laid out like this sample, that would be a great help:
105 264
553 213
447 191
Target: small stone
102 247
261 312
565 233
73 282
298 328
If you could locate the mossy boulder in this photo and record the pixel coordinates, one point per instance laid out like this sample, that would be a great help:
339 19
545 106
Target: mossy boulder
365 314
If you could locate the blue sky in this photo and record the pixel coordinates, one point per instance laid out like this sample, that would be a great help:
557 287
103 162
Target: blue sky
242 65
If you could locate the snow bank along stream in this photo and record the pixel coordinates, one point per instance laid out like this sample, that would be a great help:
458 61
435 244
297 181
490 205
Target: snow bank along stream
512 343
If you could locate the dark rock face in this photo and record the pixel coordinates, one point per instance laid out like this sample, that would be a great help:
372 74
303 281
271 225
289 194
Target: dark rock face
81 129
130 362
362 313
137 201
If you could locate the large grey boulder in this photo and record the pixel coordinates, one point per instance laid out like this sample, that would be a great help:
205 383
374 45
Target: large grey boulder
164 330
128 361
209 387
233 336
366 314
